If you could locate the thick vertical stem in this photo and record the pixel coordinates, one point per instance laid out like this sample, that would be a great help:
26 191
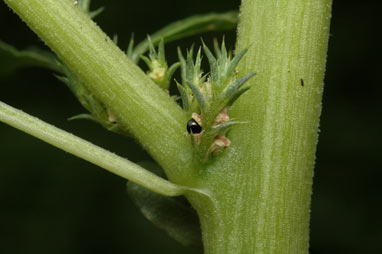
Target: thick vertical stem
263 185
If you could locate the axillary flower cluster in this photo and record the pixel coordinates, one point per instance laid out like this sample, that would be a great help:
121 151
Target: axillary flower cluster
206 98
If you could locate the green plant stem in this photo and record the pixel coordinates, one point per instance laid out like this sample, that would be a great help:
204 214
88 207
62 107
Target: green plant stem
87 151
262 186
138 104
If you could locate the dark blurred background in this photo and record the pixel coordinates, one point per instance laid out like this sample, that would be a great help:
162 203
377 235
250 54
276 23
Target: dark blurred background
53 202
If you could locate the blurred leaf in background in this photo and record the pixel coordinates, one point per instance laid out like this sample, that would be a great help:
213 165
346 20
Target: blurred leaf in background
12 59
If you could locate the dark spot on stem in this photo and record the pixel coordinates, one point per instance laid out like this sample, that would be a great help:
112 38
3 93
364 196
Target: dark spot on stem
302 82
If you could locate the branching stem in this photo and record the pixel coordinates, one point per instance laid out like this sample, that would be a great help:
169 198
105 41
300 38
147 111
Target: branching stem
87 151
138 104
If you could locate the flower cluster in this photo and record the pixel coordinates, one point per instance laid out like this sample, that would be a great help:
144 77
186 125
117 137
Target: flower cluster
208 97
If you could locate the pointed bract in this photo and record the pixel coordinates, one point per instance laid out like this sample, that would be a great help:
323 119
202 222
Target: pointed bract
235 61
130 48
147 62
82 117
93 14
222 128
198 95
172 69
234 86
224 56
161 52
237 95
184 96
217 48
213 63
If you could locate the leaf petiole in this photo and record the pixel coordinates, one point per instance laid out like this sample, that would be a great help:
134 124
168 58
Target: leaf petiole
87 151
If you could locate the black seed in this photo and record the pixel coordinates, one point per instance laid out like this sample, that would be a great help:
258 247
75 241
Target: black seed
193 127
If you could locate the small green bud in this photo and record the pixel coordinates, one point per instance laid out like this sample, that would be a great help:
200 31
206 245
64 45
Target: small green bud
156 62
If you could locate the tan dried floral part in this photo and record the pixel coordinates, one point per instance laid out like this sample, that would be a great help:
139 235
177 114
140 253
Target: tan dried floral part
197 138
111 117
222 117
197 118
220 143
